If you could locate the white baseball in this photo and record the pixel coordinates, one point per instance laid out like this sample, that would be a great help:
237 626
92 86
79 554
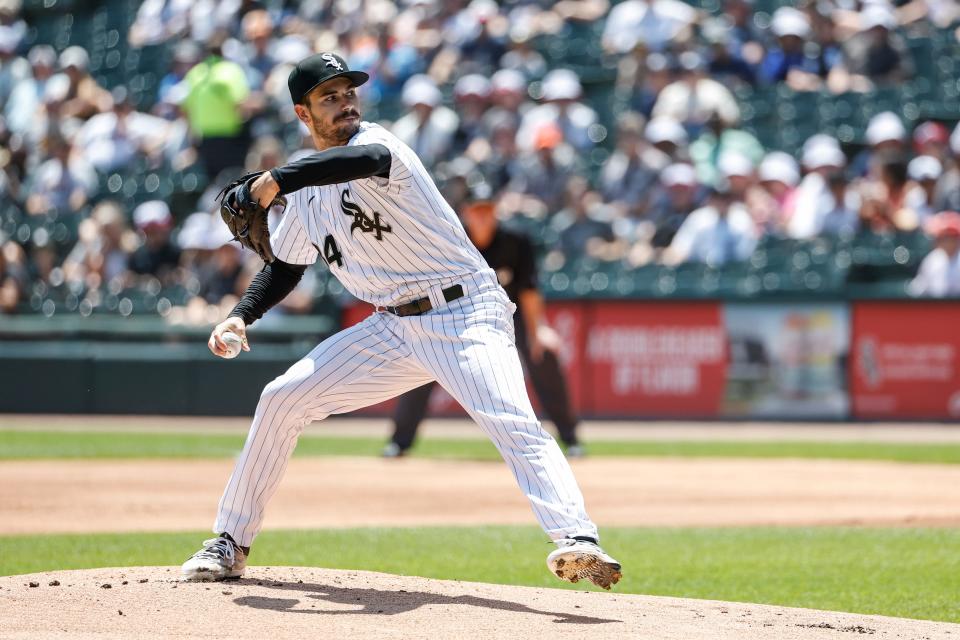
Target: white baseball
233 343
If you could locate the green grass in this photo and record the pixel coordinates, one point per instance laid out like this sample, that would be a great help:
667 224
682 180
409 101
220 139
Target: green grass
899 572
69 444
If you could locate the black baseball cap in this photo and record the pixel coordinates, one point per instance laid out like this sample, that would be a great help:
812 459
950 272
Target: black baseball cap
318 68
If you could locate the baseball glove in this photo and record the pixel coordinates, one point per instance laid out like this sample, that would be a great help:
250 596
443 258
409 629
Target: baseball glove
245 218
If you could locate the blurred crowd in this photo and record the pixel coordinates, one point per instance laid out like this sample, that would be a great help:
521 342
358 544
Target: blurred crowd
627 147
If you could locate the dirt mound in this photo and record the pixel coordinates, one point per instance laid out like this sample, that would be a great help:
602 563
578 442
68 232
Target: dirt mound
301 602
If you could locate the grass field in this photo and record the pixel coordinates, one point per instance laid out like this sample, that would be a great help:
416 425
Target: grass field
69 444
898 572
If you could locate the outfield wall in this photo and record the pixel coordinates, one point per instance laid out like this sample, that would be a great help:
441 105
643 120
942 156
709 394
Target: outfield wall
869 360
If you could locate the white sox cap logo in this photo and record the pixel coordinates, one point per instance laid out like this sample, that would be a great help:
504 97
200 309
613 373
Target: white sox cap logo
332 62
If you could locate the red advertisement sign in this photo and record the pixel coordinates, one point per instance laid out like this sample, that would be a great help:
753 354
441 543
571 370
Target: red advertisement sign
657 359
906 360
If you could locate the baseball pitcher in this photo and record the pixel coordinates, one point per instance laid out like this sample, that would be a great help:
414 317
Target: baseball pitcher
366 206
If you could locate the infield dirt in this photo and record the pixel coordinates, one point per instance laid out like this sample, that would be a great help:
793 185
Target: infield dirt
79 496
299 602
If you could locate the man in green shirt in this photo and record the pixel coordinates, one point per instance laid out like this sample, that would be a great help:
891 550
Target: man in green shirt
214 92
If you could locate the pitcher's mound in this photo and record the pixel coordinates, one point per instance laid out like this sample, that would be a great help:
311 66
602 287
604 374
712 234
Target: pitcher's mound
301 602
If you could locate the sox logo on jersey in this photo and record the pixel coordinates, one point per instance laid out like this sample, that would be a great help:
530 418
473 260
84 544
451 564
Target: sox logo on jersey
361 220
467 344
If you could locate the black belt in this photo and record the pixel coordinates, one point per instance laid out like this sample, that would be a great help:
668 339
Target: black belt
422 305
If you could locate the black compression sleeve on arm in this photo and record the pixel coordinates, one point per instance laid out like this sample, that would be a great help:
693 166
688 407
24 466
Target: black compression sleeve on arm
274 282
338 164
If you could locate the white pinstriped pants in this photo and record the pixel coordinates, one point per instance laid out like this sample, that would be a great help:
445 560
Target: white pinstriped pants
467 346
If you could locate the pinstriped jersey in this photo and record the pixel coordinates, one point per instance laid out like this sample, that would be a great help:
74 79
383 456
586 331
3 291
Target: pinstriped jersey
387 240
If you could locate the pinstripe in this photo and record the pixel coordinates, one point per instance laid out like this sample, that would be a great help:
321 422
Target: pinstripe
528 484
497 431
260 418
282 459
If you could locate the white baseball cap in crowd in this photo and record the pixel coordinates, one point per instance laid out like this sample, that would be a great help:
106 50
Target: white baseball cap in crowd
561 84
885 127
778 166
421 89
877 14
664 129
924 168
509 80
193 231
42 55
75 56
734 163
472 84
291 49
152 213
678 174
822 150
788 21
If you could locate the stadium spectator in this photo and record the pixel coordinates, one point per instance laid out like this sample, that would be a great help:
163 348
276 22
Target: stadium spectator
932 138
939 273
62 183
562 105
771 203
157 254
718 138
725 63
884 207
694 98
715 234
640 79
102 254
521 56
885 135
788 60
115 139
737 170
583 224
256 53
630 171
390 63
669 138
874 56
159 21
478 32
508 91
817 208
471 95
13 68
79 94
679 195
656 24
170 91
544 173
429 127
746 36
924 172
29 92
214 102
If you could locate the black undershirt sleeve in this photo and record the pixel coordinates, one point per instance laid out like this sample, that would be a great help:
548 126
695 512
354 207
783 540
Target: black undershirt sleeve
274 282
332 166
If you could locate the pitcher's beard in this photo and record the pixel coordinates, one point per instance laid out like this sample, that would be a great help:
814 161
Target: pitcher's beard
341 132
